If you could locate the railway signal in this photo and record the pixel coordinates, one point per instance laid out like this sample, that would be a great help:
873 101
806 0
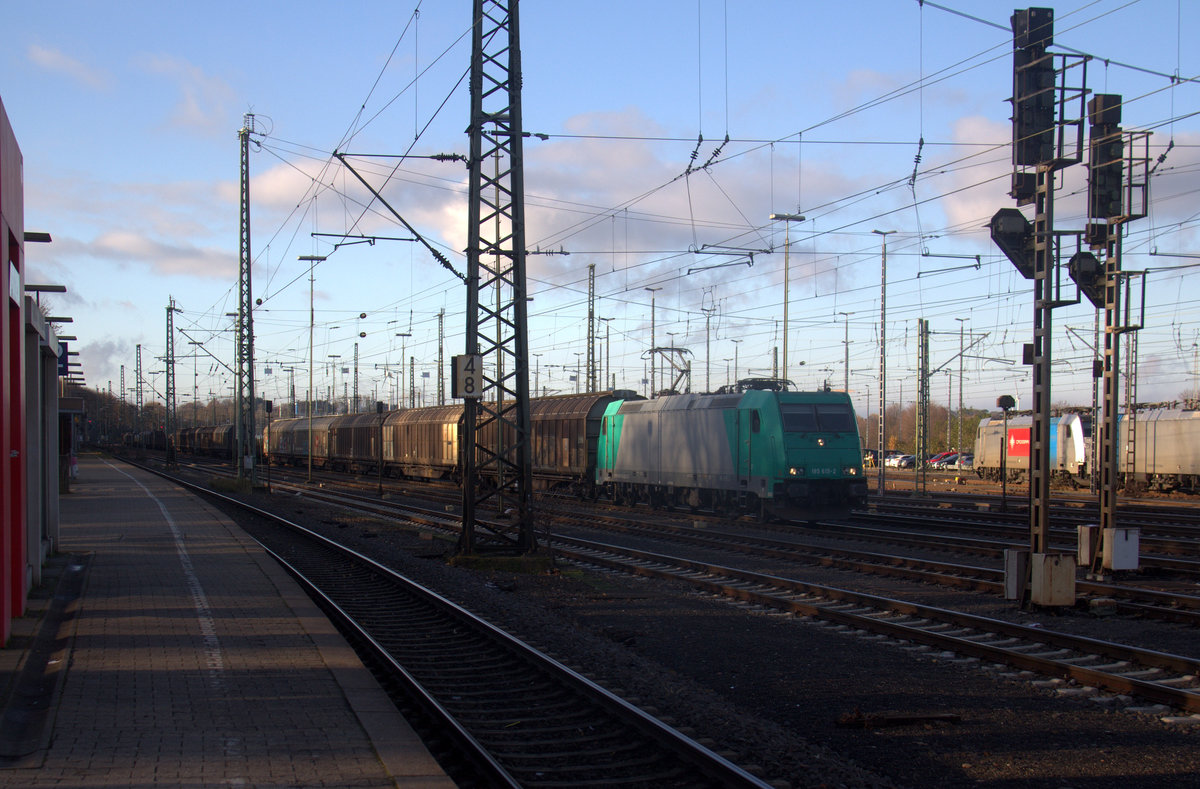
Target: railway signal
1106 157
1088 274
1013 233
1033 87
1043 144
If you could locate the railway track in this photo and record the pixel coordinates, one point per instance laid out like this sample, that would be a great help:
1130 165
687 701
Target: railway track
505 713
957 529
1173 606
1126 598
1161 678
1176 522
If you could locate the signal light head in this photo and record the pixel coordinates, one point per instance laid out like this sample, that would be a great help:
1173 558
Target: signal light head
1088 274
1013 233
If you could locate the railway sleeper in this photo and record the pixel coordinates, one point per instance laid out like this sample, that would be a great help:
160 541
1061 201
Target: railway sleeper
952 631
1186 681
1054 654
596 737
520 722
596 753
1113 668
1145 673
661 775
548 709
1000 642
528 731
523 692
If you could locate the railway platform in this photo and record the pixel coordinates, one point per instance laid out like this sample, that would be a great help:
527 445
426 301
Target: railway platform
172 651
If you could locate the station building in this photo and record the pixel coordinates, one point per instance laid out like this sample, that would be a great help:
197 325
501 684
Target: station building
29 405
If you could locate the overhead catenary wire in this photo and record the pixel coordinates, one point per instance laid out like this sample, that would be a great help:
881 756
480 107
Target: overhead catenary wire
698 224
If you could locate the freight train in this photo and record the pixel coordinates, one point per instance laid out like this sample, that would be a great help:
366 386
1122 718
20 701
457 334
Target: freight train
756 448
210 440
1164 450
427 443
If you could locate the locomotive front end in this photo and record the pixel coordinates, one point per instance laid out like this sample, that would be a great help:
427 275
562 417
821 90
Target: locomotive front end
822 473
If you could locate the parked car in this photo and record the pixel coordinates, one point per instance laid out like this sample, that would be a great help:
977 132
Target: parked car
965 461
944 460
906 461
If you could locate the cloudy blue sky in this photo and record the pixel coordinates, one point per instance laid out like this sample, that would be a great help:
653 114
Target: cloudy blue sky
127 116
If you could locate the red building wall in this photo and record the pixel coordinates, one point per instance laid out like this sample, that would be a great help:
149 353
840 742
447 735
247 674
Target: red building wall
12 391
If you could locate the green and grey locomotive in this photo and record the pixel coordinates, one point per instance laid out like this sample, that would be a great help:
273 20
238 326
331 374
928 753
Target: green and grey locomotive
759 449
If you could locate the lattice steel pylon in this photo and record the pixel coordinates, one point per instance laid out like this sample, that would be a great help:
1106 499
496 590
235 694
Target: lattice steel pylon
169 361
591 329
244 358
138 392
921 443
441 366
496 262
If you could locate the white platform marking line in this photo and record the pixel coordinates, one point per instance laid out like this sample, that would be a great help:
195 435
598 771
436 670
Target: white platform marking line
214 659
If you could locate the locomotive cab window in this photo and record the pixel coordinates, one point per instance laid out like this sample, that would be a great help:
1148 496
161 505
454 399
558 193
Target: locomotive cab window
755 422
823 417
798 417
835 418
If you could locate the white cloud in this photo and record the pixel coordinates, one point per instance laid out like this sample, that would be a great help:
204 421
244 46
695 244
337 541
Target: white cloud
977 187
53 60
191 214
204 103
280 187
128 247
102 358
862 85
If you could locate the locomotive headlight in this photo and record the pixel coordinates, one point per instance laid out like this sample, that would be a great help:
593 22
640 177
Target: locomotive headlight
820 442
796 472
850 471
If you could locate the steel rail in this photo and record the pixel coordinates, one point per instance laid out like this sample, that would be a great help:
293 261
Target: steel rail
765 590
713 767
1148 602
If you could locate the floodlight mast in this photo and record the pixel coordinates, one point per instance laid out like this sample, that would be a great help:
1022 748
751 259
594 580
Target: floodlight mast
787 220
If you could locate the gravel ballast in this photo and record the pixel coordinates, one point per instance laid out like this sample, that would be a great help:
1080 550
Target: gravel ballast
798 701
